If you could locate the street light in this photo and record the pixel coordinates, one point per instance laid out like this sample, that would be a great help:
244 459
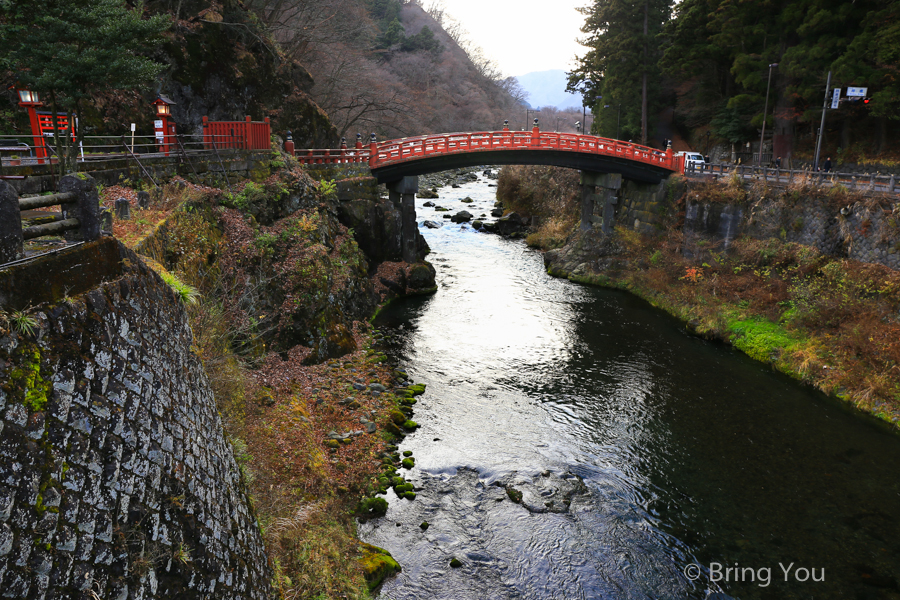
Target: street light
765 113
578 127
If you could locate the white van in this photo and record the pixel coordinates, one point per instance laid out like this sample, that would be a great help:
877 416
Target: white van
694 159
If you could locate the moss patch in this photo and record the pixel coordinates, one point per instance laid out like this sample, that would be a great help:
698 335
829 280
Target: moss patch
377 563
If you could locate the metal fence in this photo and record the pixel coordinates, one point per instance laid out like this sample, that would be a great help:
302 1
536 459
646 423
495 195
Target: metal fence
887 184
20 150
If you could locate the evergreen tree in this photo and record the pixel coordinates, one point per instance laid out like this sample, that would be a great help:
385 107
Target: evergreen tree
68 50
620 68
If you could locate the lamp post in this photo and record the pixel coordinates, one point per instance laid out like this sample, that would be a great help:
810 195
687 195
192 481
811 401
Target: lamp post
528 111
163 127
765 113
30 100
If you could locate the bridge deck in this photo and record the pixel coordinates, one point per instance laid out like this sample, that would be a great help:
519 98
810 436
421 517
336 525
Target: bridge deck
394 159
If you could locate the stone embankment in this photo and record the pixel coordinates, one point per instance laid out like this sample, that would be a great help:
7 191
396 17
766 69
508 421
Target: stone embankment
116 479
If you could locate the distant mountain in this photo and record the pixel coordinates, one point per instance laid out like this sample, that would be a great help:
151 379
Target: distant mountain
548 88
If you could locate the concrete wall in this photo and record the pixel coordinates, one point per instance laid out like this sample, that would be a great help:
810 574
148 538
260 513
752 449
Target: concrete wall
115 475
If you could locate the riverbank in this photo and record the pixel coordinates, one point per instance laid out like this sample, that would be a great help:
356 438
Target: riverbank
279 295
829 322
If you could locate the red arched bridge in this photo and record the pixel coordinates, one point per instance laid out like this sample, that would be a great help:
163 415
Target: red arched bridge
603 163
394 159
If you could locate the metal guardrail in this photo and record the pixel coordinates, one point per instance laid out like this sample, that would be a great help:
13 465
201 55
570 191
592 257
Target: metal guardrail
102 148
853 181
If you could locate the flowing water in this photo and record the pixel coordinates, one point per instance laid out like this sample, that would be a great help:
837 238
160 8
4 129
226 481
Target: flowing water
649 461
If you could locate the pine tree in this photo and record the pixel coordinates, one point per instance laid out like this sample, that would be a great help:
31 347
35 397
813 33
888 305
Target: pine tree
68 50
620 69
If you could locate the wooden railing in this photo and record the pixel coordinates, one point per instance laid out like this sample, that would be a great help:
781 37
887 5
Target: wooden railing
79 219
407 149
244 135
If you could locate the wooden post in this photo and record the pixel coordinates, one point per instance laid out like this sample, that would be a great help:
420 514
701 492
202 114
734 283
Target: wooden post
86 208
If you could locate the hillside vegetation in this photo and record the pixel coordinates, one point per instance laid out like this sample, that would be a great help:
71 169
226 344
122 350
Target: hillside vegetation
711 60
323 69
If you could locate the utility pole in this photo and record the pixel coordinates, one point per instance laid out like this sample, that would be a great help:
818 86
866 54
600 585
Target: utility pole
765 114
822 125
644 82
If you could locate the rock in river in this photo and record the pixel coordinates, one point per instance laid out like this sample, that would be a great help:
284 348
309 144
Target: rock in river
462 216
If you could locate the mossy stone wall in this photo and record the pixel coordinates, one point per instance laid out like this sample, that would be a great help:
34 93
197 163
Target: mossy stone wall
116 480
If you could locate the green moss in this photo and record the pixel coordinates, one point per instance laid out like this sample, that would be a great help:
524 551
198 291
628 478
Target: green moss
514 495
761 339
415 390
410 425
377 563
408 463
372 507
455 563
28 378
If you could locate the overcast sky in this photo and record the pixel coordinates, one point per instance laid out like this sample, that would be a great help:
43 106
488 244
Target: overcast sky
522 35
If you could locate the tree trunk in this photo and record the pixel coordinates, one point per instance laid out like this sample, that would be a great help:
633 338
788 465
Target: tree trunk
644 79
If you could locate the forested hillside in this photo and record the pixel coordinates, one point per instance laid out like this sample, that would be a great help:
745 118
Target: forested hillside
320 68
389 66
711 60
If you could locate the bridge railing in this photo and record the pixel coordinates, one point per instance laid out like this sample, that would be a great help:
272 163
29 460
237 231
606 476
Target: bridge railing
412 148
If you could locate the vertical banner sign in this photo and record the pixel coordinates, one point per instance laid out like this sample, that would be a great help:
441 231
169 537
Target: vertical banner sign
836 99
132 138
158 129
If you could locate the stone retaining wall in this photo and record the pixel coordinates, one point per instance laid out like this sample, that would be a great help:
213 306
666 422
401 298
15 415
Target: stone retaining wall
110 172
867 231
115 475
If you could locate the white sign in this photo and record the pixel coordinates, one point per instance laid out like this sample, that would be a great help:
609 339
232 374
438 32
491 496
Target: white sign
160 139
836 99
157 124
132 128
861 92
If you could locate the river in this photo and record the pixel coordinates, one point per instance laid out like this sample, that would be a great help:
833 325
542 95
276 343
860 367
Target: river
649 461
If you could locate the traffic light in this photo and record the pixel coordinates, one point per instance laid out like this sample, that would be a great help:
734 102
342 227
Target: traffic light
866 100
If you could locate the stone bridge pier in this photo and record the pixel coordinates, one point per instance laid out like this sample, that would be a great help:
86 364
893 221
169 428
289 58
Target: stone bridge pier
598 200
402 194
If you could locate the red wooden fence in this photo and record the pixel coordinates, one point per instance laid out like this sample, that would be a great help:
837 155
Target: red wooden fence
244 135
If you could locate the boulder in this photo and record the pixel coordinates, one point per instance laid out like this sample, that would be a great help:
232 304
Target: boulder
421 276
462 216
497 212
427 193
431 225
428 204
477 224
510 224
377 563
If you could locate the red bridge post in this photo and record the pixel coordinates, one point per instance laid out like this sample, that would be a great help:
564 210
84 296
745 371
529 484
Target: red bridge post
373 152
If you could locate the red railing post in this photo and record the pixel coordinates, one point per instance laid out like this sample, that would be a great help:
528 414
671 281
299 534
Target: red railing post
373 152
289 144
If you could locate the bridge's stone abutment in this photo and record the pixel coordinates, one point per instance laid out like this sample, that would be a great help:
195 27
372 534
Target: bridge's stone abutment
116 480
